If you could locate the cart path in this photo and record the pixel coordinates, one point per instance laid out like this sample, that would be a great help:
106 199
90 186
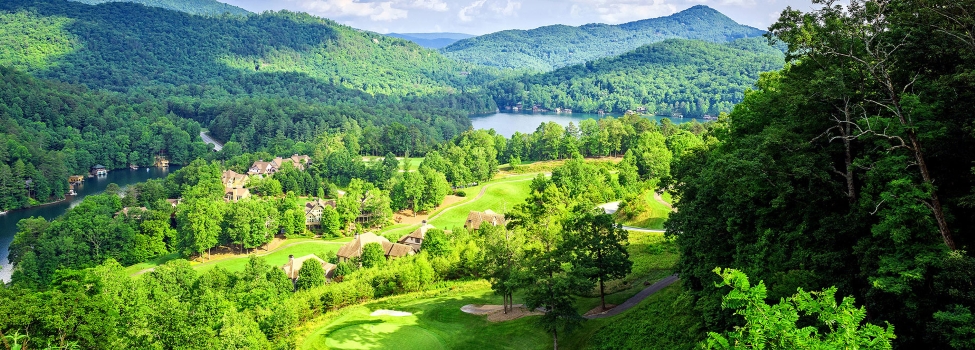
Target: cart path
638 298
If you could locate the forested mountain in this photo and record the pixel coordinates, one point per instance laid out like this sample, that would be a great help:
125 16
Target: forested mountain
121 46
196 7
52 131
686 77
556 46
432 40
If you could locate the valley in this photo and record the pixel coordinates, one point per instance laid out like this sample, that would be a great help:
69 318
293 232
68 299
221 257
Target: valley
201 174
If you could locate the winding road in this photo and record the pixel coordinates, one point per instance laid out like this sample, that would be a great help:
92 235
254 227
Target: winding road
217 146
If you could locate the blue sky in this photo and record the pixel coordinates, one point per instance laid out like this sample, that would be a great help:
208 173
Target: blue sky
486 16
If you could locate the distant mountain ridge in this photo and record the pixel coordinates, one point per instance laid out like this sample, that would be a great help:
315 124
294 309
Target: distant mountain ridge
196 7
551 47
432 40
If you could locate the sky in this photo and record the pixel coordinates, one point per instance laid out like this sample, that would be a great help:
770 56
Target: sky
479 17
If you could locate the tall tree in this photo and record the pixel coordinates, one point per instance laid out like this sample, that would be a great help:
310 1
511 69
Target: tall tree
600 246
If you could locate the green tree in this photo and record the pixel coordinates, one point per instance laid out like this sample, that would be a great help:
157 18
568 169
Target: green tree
310 275
436 243
331 224
373 255
600 246
840 325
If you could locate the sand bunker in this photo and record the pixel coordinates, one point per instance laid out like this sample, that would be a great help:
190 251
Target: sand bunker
393 313
495 313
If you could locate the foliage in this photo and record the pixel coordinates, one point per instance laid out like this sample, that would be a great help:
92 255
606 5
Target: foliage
310 275
552 47
676 77
196 7
848 168
373 255
435 243
775 326
600 247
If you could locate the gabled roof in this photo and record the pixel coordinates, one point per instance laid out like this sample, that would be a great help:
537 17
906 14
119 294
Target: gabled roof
354 249
232 177
476 218
292 267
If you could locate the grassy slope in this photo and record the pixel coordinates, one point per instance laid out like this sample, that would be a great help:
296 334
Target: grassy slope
653 215
438 323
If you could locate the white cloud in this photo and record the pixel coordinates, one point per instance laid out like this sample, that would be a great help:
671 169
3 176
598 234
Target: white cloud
620 11
376 11
466 14
509 9
435 5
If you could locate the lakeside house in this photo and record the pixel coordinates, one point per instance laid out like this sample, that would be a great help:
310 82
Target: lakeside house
293 265
475 219
415 238
314 209
391 250
99 170
161 162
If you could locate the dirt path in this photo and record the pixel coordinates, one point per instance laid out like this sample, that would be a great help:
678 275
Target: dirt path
636 299
239 256
660 199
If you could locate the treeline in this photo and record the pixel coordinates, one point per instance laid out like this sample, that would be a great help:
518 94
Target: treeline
196 7
552 47
851 168
52 131
681 77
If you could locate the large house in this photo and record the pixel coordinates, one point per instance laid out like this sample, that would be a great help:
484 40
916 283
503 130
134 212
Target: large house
391 250
268 168
233 186
415 239
475 219
294 265
314 209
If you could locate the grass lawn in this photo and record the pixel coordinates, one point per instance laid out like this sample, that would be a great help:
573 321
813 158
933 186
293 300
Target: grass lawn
275 258
437 322
131 270
499 197
651 213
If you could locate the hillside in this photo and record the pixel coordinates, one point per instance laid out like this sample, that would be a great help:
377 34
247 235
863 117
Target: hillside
432 40
196 7
120 46
687 77
551 47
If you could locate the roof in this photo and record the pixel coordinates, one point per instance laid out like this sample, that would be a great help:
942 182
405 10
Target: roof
419 234
292 267
354 249
476 218
98 166
232 176
319 202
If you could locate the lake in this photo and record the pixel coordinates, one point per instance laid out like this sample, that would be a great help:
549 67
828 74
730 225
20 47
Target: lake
507 124
92 185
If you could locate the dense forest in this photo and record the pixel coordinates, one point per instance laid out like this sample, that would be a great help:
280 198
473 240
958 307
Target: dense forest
680 77
432 40
551 47
55 130
196 7
851 167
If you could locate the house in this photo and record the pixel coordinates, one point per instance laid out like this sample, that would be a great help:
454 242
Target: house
235 194
314 209
475 219
174 202
161 162
391 250
132 212
232 179
75 179
261 168
415 239
293 265
99 170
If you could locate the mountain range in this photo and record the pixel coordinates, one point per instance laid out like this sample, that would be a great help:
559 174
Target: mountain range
551 47
432 40
197 7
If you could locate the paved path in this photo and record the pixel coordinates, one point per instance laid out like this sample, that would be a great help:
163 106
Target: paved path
636 299
613 207
660 199
217 146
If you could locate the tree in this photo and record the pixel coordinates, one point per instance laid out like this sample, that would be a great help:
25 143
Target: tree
774 326
373 255
199 220
503 261
435 243
600 246
310 275
331 224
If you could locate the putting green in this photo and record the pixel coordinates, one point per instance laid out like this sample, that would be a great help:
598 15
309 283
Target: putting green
382 335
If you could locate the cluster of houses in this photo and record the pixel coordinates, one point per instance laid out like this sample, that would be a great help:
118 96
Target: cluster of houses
234 184
269 168
536 109
407 245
